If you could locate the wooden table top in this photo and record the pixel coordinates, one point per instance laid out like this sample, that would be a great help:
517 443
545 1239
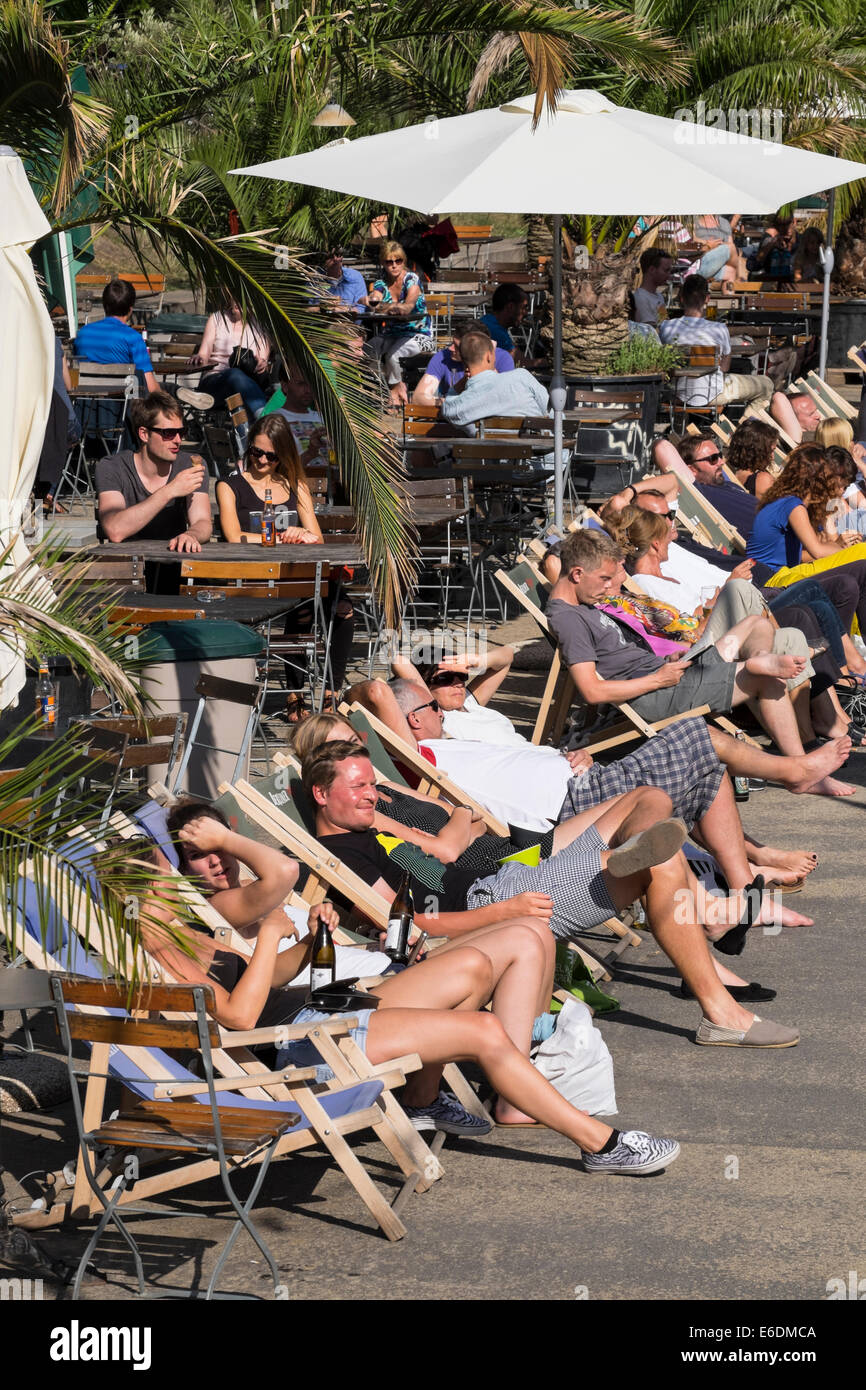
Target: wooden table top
340 550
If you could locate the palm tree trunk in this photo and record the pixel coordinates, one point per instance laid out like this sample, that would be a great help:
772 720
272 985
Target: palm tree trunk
594 311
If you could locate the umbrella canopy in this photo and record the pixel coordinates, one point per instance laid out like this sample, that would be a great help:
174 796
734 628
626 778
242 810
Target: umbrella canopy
26 380
589 157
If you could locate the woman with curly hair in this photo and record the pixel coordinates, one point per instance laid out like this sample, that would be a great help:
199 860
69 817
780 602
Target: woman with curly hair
750 454
789 534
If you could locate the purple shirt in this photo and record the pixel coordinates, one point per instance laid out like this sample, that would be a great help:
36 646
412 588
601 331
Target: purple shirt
448 371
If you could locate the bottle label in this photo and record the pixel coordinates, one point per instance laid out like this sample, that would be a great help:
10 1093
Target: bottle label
321 977
397 936
47 709
268 530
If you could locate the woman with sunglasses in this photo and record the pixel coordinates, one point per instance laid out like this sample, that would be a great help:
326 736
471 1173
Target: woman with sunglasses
407 324
271 463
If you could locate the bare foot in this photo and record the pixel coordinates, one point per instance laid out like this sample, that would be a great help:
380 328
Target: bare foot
775 664
792 863
774 914
771 876
828 786
817 766
729 1014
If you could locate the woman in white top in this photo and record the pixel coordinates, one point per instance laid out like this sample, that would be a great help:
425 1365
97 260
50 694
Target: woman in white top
224 332
465 701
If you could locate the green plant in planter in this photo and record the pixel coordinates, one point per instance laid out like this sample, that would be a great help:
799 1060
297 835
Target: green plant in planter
642 356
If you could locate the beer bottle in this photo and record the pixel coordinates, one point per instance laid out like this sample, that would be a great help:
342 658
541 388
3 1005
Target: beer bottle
323 961
741 784
46 702
269 521
400 923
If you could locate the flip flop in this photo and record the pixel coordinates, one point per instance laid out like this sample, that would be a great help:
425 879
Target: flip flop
733 942
795 887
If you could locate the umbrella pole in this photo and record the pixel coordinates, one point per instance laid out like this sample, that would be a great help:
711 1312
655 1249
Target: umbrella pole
557 385
828 271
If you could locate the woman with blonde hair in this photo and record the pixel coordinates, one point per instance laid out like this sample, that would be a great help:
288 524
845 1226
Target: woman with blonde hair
407 325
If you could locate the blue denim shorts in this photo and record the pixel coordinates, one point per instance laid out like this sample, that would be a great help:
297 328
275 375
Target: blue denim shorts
301 1052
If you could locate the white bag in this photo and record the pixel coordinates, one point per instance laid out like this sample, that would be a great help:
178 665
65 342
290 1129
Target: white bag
575 1060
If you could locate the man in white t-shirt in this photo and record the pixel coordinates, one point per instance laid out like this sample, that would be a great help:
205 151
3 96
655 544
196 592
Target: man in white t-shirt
649 301
307 425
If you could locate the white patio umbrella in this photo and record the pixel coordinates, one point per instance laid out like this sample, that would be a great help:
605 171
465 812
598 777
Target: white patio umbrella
26 381
589 157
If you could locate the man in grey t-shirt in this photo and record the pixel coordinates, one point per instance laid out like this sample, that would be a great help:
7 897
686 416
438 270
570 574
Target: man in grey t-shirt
604 672
156 492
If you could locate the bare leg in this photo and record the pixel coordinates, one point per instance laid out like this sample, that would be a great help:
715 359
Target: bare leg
522 953
828 716
671 913
720 829
777 715
457 1032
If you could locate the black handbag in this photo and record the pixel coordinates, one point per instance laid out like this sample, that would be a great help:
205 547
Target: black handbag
341 998
244 360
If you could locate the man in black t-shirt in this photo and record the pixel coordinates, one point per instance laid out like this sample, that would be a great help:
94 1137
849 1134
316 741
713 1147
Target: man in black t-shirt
156 492
588 882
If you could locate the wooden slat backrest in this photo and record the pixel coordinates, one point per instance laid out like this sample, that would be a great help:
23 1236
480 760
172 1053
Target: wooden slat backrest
227 569
605 397
150 999
472 231
173 1034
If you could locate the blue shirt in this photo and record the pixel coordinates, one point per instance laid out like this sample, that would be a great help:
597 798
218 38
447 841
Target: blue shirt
501 336
488 393
112 340
448 370
351 287
737 506
773 541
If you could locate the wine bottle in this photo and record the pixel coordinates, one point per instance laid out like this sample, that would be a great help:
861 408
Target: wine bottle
400 923
323 961
269 521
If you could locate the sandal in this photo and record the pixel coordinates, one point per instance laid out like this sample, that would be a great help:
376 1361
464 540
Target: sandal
297 709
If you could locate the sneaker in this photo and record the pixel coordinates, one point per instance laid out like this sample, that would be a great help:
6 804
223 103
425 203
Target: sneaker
636 1152
446 1113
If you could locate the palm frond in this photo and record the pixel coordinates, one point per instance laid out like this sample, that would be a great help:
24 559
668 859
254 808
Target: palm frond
52 127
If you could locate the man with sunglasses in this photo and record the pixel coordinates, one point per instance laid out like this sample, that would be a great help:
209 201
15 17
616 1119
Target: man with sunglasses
155 492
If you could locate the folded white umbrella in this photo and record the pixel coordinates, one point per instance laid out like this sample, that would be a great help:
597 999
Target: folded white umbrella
26 382
589 157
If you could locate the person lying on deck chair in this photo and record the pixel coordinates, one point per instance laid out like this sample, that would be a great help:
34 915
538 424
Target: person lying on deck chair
537 784
435 1008
610 664
622 850
681 762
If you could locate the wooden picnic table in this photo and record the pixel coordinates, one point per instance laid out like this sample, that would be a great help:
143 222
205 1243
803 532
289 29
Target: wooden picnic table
340 550
236 607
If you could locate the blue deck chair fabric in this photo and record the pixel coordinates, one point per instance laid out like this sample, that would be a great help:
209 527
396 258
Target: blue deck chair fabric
70 957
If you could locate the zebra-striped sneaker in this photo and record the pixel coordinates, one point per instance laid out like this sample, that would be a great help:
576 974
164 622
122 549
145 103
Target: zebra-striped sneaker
636 1152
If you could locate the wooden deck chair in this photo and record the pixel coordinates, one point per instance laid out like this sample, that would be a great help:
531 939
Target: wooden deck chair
150 1074
828 401
288 829
857 355
722 535
431 780
349 1065
243 1070
560 694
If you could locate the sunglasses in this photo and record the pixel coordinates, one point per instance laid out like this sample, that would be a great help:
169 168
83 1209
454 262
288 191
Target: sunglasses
256 453
447 678
167 432
431 704
710 458
394 260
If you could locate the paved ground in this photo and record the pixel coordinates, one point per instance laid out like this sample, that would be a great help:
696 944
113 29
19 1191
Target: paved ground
515 1218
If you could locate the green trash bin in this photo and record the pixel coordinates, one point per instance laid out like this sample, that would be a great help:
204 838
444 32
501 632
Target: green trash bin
175 655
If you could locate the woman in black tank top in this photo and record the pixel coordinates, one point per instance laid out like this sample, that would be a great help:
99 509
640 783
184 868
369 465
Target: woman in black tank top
435 1009
271 462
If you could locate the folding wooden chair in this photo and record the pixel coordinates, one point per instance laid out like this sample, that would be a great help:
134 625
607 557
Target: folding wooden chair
430 780
702 361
